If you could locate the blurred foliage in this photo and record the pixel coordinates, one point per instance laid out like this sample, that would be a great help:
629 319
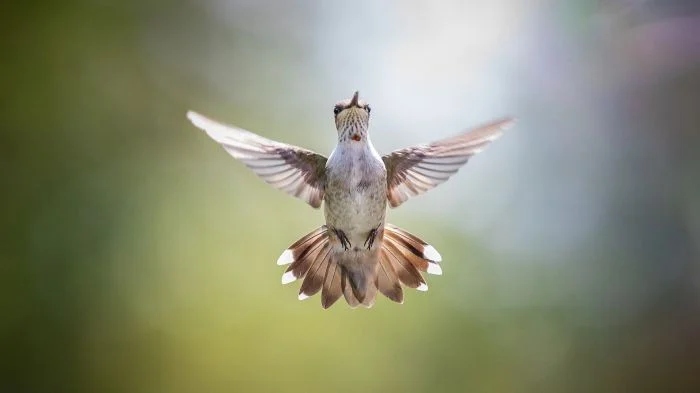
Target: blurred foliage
138 257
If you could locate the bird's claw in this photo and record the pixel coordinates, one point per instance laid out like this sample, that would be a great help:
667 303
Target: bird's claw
343 238
370 238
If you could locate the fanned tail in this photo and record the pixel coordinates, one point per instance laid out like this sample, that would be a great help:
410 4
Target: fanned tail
403 256
303 253
358 276
312 259
419 253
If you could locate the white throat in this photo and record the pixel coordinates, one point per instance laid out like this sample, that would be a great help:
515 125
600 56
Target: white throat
350 149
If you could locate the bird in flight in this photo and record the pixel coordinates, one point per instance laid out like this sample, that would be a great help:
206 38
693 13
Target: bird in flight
356 253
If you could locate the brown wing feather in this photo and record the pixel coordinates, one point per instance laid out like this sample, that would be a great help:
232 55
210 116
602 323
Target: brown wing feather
417 169
296 171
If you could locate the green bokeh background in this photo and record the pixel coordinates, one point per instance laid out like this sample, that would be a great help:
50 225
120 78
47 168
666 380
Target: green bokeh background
138 257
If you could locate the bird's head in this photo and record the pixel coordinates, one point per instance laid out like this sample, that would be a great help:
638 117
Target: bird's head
352 119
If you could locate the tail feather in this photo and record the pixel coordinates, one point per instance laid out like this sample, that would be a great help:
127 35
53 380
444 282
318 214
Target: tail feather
293 252
331 286
357 279
316 274
407 273
347 290
359 276
304 255
421 254
388 280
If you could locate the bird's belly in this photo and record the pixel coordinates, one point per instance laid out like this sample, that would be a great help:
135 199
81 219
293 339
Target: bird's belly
356 212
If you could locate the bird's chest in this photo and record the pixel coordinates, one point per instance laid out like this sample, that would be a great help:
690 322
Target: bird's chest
355 191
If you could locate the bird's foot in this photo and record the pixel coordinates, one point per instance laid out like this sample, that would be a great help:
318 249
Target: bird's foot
343 238
370 238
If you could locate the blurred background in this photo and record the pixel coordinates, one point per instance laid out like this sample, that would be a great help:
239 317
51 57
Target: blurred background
137 256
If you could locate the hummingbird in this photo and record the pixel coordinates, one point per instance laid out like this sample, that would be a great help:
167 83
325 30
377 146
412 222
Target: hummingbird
356 253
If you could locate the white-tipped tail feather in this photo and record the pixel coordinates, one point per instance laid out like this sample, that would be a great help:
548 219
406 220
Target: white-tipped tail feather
286 258
429 252
288 277
434 268
421 254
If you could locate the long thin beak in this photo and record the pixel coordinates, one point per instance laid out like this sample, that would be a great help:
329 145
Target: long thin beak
355 98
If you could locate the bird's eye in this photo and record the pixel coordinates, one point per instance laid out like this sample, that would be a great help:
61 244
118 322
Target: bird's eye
368 109
337 110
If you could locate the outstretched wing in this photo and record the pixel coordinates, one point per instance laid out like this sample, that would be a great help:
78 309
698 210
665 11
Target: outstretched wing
298 172
417 169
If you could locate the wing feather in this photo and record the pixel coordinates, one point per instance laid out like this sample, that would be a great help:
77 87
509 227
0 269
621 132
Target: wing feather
292 169
415 170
